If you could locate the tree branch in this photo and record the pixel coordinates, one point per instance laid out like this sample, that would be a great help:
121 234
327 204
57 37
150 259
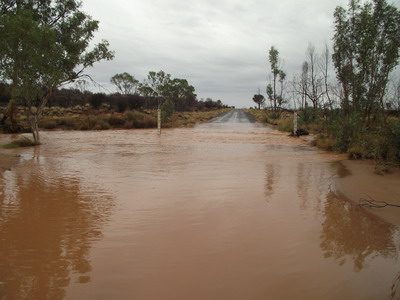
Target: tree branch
371 203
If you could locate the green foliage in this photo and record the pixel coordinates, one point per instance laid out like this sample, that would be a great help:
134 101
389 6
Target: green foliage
324 142
161 86
309 115
394 141
259 99
275 88
285 125
156 85
167 109
366 50
344 130
356 152
125 83
43 45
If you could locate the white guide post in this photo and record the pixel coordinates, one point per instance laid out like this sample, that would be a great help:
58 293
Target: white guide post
159 121
295 123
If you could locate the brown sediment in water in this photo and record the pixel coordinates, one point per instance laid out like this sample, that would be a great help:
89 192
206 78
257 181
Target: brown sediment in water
360 182
8 161
222 211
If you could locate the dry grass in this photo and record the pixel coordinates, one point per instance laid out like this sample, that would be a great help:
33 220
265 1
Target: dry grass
128 120
326 143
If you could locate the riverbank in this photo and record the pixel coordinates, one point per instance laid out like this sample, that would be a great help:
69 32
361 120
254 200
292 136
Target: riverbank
104 118
371 186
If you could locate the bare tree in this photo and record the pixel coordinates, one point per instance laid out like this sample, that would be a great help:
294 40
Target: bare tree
314 88
324 64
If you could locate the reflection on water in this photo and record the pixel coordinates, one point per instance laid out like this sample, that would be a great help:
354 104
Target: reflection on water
395 287
349 233
271 174
222 211
47 227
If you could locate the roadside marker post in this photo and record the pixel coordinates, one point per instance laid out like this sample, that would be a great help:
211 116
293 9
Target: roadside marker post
295 123
159 121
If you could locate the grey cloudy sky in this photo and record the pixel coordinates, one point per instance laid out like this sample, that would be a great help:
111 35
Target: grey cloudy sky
219 46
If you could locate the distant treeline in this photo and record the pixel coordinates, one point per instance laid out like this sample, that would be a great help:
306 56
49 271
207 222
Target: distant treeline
71 97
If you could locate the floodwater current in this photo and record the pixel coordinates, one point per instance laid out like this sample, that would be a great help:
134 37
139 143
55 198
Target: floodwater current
227 210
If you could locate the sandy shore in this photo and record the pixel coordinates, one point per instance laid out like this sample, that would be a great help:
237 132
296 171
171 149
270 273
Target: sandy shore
360 182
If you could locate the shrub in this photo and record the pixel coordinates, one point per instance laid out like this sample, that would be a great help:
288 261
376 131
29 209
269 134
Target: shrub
87 124
345 130
137 119
122 104
101 125
116 121
97 99
48 124
285 125
167 109
22 141
356 152
69 123
326 143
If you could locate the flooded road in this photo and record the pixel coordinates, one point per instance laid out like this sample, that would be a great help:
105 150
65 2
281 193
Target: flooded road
228 210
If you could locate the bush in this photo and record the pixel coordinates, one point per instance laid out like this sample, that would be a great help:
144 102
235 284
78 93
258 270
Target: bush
345 130
97 99
101 125
87 124
326 143
22 141
309 115
137 119
356 152
167 109
48 124
285 125
122 104
116 121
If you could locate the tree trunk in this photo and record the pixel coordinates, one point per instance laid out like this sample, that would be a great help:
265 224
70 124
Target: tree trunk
10 113
34 126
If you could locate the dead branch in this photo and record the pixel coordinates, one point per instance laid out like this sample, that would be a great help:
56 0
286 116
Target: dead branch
371 203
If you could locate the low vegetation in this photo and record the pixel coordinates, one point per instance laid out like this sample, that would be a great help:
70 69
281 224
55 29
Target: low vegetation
332 133
104 118
22 141
358 112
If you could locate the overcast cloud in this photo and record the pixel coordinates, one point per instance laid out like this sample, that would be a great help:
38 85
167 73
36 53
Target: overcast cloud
219 46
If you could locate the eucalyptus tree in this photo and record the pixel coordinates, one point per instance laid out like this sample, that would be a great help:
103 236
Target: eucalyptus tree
155 85
259 99
275 88
161 86
126 83
366 50
43 45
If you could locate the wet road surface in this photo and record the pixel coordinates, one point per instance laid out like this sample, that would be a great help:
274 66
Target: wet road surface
227 210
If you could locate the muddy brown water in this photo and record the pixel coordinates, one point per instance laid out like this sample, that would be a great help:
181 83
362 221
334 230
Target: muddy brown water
227 210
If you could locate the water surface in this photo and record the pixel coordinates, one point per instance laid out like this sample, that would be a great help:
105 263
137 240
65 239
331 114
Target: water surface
227 210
